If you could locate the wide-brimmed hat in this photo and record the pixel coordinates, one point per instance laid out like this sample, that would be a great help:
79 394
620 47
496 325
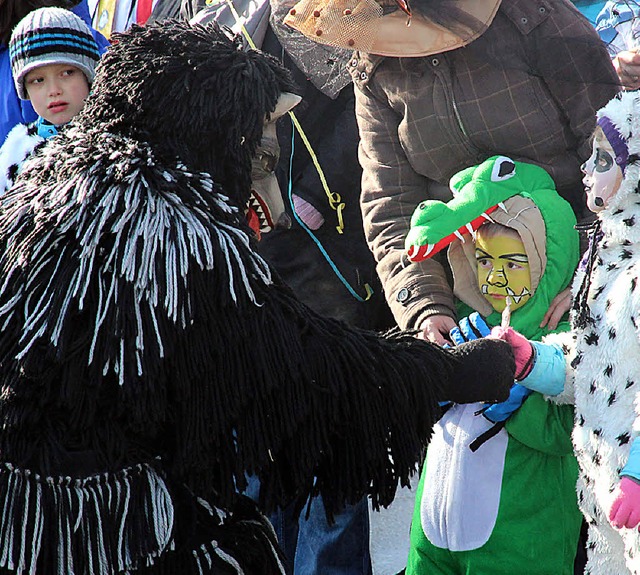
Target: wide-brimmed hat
393 27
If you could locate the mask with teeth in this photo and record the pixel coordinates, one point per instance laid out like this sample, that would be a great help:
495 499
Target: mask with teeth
265 210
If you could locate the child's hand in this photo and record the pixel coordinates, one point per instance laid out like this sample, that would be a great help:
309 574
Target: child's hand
522 349
469 328
502 411
625 511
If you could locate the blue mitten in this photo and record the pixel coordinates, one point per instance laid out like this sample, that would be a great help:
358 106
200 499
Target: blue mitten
502 411
469 328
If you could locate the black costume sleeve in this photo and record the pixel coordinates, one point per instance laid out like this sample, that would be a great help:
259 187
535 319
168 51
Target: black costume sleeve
140 325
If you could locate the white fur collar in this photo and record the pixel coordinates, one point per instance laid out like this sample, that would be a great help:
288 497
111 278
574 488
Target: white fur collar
19 144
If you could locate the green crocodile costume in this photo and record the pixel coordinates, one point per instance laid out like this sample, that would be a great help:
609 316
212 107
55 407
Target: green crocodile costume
509 507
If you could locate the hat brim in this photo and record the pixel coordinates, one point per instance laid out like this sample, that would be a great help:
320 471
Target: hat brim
53 59
393 36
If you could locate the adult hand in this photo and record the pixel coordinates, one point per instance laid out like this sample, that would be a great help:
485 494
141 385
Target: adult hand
522 349
627 65
625 511
436 329
560 305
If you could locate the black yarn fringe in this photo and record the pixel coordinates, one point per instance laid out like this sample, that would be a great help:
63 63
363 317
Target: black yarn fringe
250 379
138 324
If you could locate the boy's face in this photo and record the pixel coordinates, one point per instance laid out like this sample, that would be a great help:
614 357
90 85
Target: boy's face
503 270
602 176
57 91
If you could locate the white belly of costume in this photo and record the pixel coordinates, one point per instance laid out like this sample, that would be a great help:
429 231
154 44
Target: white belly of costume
461 493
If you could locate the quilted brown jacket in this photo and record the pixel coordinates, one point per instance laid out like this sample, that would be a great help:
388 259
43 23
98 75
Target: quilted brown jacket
528 88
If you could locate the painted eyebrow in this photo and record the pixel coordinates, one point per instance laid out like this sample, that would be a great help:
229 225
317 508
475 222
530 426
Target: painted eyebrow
483 254
515 257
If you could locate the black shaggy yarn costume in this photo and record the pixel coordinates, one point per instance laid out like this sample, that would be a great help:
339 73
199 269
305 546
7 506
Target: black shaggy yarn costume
149 358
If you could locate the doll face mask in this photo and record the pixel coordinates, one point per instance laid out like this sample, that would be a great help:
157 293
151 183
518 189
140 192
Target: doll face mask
602 176
503 270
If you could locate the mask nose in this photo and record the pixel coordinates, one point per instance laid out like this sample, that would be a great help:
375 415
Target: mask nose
284 222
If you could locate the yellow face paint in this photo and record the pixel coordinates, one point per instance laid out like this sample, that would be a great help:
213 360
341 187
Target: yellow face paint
503 270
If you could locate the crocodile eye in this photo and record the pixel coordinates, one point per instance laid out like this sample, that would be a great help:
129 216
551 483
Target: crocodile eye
503 169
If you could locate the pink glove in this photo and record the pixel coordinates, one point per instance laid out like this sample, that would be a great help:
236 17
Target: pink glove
625 511
522 349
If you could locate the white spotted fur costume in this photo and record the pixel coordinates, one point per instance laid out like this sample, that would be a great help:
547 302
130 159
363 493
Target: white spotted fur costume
603 359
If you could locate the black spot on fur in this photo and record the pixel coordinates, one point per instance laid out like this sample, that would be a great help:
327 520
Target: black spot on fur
13 171
617 212
597 292
612 333
608 370
623 438
625 255
596 458
575 362
581 421
611 399
630 222
611 267
634 283
592 387
592 339
629 383
597 432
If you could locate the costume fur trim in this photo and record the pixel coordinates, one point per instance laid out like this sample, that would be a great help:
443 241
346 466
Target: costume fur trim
21 141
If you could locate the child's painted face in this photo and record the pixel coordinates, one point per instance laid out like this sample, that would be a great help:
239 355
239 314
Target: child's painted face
503 270
57 91
602 176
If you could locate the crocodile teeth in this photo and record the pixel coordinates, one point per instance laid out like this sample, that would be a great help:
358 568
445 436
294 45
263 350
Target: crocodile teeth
471 231
486 217
503 207
459 236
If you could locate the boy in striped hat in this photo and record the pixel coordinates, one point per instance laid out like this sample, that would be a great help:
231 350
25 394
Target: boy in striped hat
53 60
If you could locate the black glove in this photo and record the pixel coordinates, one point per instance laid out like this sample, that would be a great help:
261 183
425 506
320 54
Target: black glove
484 371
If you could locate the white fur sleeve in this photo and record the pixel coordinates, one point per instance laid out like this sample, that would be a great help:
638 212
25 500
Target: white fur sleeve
566 341
16 148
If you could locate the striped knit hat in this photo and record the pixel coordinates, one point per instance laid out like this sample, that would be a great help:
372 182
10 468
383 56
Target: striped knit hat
51 36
